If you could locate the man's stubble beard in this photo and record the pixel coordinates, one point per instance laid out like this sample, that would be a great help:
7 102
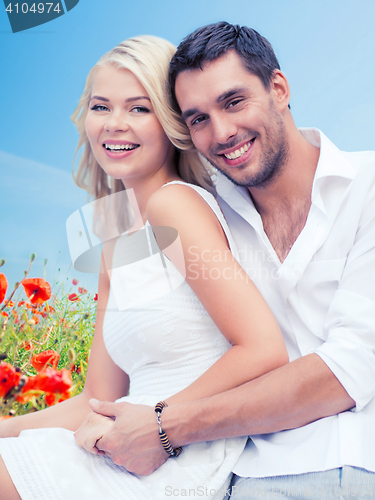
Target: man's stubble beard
273 158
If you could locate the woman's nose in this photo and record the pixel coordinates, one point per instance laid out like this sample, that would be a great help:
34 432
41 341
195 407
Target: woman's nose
116 122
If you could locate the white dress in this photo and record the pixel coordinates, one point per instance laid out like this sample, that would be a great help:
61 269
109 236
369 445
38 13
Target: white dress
158 332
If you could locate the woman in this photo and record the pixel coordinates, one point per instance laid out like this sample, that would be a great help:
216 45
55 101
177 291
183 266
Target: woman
174 345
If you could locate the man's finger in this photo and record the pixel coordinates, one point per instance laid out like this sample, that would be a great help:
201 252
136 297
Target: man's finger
103 407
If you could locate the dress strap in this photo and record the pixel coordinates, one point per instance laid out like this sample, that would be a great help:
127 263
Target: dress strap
214 205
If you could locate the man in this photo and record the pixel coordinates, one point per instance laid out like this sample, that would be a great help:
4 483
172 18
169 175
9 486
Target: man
303 216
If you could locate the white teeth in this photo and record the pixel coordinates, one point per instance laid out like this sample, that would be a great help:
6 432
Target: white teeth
239 152
118 147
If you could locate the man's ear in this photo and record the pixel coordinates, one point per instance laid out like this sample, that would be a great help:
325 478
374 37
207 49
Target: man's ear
280 90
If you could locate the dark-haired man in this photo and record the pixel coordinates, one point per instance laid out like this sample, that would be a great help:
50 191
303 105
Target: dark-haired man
303 216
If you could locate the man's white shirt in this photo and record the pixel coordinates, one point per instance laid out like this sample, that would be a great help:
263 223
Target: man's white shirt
323 297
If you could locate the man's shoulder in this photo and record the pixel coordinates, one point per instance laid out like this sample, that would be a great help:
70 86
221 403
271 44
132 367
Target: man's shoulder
364 164
361 159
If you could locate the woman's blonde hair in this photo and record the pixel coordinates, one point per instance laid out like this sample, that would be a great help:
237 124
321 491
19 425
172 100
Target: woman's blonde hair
147 57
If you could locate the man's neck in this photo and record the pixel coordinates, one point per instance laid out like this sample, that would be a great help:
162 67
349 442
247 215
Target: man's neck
285 202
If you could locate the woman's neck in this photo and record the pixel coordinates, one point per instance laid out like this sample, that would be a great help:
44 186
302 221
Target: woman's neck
139 192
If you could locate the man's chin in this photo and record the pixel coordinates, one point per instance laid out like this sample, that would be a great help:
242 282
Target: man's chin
231 177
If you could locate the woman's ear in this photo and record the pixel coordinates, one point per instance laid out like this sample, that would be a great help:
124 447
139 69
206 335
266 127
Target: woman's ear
280 90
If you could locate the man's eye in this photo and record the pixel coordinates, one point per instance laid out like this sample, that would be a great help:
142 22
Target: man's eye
234 103
198 120
99 107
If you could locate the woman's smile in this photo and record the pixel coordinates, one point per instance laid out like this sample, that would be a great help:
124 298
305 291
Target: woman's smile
119 149
124 132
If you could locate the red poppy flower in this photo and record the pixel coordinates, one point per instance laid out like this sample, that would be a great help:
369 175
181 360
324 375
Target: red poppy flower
74 281
73 297
46 358
30 384
36 319
37 289
96 297
10 304
28 389
48 309
50 380
5 314
3 286
76 369
21 303
9 378
64 396
82 290
27 345
51 398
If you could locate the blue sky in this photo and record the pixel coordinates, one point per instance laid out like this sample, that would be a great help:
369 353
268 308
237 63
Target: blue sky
325 47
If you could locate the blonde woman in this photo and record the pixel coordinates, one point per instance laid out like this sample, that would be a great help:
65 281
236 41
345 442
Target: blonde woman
211 333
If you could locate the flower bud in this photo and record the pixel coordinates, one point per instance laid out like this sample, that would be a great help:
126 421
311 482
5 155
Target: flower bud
72 355
32 257
2 262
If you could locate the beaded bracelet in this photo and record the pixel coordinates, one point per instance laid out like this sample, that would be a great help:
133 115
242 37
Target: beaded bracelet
163 436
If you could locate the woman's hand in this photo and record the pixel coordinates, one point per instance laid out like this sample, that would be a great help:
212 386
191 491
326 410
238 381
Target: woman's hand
93 428
133 439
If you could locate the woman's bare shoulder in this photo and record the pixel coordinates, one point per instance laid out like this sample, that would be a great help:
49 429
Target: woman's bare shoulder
180 203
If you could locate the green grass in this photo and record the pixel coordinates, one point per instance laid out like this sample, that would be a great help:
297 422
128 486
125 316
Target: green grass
26 331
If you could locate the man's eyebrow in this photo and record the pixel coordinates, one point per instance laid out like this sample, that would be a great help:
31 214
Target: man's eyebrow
190 112
230 93
222 97
130 99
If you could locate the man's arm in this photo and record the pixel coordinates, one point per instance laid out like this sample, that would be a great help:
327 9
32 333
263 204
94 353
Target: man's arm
294 395
291 396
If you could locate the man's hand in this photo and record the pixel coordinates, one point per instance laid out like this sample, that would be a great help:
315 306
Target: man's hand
133 439
91 431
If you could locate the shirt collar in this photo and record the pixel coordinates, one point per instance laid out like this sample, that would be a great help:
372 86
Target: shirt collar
331 163
331 160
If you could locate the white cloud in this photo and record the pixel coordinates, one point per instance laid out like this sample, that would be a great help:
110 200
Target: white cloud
35 202
26 181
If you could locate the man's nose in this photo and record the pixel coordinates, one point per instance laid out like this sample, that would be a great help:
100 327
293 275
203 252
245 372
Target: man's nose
223 129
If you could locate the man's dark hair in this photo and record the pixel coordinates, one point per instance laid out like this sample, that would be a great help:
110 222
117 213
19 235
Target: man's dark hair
212 41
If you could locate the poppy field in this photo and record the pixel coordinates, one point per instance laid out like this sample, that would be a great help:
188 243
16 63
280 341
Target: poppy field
45 341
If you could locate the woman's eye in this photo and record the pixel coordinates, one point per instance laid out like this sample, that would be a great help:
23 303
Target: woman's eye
99 107
140 109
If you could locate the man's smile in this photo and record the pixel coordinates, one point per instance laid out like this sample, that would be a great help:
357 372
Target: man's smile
239 151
